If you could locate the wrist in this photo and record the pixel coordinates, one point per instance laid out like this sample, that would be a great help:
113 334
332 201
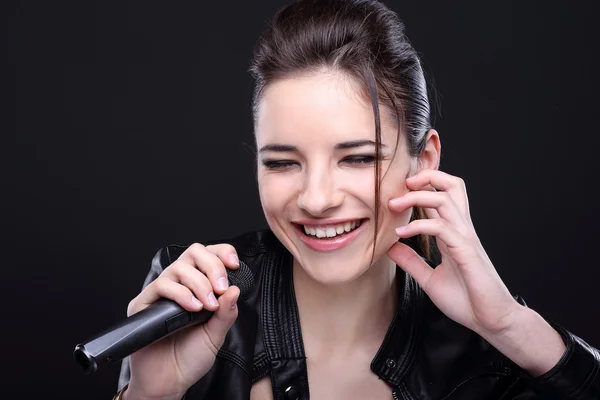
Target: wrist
529 341
129 394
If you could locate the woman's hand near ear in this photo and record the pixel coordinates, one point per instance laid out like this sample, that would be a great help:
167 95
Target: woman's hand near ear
465 285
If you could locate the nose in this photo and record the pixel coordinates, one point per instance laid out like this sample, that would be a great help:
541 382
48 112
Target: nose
319 194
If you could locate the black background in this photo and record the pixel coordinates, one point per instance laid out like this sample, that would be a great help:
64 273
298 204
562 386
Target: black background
132 129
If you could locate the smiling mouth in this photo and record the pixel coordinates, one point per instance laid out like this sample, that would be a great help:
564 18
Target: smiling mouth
329 232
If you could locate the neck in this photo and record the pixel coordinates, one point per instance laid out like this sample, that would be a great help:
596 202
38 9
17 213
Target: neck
337 319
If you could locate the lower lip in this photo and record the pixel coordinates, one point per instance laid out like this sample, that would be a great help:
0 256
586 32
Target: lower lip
331 243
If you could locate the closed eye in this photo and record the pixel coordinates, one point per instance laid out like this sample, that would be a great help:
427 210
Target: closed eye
278 164
285 164
360 160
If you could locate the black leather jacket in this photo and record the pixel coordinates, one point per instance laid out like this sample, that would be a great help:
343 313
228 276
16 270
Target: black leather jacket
424 355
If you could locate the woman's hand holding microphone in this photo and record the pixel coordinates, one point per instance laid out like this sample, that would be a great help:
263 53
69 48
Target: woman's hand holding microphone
167 368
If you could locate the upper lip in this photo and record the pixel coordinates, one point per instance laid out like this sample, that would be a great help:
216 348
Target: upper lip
324 222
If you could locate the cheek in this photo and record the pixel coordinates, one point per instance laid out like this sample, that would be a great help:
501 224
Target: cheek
392 190
359 183
275 192
394 182
392 186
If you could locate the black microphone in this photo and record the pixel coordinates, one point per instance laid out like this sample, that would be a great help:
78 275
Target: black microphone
156 321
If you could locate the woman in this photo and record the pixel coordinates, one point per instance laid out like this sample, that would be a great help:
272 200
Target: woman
347 301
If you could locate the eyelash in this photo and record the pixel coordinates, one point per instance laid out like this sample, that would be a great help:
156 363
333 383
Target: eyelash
353 160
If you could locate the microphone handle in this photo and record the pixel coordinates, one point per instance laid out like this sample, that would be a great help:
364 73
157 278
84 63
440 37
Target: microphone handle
156 321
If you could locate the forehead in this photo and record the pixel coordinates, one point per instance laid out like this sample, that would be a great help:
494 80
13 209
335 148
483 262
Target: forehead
321 107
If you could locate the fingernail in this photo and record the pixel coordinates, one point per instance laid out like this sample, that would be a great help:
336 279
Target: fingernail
395 200
196 302
234 303
222 283
400 229
234 259
212 299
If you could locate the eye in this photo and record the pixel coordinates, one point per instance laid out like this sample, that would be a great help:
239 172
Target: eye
278 164
360 160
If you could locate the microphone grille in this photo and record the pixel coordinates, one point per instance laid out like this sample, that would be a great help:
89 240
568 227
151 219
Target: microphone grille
242 278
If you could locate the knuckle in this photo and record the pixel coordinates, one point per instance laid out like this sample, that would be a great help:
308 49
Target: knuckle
221 248
176 266
196 247
183 291
210 268
227 248
159 285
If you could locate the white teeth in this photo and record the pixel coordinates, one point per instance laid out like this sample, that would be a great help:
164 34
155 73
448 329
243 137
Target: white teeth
331 231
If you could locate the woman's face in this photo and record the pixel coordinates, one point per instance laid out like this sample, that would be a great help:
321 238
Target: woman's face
316 140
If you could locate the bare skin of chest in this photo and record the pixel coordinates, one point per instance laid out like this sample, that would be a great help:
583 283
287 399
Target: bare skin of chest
333 382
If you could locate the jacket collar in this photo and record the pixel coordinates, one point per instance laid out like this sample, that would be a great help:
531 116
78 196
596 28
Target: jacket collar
281 323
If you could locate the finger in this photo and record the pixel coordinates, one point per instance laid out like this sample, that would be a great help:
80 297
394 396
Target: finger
431 213
435 227
440 180
439 201
196 281
407 259
220 323
209 264
226 253
164 288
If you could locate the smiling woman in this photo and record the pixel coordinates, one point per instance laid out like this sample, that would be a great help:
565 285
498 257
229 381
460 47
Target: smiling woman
371 280
317 159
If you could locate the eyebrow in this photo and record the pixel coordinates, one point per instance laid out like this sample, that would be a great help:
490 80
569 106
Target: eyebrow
340 146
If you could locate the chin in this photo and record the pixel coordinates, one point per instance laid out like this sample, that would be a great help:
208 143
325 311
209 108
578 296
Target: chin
333 272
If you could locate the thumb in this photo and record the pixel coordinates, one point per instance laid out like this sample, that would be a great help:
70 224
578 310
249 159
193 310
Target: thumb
412 263
220 323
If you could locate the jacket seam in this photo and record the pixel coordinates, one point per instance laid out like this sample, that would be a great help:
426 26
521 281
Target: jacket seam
260 376
416 326
506 372
232 357
415 308
260 367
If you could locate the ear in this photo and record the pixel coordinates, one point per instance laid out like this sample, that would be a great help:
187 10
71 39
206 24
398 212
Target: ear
430 158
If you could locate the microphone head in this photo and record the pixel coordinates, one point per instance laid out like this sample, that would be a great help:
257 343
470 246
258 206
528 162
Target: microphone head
242 278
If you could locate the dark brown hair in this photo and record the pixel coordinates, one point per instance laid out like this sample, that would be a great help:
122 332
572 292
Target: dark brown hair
366 40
